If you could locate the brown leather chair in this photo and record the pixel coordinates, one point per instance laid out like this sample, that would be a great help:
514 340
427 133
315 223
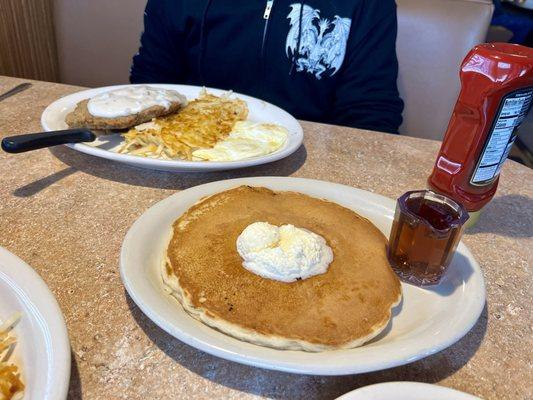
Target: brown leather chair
96 40
433 38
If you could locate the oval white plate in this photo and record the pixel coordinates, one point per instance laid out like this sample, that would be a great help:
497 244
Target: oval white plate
406 391
43 349
427 321
53 118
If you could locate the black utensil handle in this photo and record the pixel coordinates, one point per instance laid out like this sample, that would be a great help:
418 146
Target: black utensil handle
34 141
15 90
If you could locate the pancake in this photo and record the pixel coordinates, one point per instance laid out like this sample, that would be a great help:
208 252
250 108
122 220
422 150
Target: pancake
343 308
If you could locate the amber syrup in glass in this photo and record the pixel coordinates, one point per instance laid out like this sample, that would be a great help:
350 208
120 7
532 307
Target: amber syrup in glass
426 231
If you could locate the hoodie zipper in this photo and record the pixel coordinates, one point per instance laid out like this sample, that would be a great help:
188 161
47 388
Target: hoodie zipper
266 17
268 8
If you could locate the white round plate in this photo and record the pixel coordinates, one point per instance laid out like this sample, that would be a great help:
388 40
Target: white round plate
43 349
428 320
53 118
406 391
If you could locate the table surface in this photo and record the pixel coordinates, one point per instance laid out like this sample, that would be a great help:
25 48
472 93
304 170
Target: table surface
66 213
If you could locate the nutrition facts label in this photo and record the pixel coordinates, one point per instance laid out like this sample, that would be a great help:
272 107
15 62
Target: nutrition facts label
514 109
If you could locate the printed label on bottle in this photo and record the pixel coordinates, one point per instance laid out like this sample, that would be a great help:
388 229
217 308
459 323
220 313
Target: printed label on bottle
513 111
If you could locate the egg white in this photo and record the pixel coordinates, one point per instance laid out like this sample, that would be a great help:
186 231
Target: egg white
247 139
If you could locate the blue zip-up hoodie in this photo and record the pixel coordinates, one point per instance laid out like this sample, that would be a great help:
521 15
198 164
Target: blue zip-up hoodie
321 60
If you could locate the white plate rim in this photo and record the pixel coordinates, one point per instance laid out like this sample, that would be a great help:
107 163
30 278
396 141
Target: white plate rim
386 389
34 289
469 317
294 142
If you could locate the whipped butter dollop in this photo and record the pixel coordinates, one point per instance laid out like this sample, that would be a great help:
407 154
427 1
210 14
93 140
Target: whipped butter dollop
285 253
131 100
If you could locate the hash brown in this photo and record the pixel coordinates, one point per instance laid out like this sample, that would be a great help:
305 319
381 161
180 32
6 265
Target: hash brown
200 124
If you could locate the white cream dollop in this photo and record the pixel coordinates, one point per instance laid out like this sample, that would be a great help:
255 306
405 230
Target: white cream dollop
131 100
285 253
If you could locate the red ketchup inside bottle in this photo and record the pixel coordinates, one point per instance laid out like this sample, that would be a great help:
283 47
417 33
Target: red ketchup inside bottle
496 95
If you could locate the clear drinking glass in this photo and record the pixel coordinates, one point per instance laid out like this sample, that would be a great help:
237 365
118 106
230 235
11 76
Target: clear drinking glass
425 233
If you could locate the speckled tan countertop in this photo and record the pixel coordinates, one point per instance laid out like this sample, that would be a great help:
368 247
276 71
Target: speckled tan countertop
66 214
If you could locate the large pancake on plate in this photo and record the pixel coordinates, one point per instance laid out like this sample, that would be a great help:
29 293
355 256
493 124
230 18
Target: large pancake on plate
342 308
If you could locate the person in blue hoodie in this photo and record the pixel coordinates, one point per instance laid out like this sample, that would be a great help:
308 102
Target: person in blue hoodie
321 60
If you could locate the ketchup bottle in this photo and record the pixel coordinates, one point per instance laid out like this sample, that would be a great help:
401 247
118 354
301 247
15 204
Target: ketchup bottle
496 95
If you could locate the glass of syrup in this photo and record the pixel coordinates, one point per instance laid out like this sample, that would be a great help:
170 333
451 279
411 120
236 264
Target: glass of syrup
425 233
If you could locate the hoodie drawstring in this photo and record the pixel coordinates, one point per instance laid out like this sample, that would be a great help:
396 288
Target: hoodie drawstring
202 43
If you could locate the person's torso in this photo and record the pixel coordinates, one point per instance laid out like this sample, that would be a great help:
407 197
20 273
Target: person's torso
256 47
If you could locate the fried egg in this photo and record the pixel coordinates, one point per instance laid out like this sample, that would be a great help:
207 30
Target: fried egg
246 140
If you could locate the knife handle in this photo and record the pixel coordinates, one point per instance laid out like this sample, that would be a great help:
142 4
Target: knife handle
34 141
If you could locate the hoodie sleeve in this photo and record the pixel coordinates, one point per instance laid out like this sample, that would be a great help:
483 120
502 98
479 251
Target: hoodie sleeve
157 60
367 94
